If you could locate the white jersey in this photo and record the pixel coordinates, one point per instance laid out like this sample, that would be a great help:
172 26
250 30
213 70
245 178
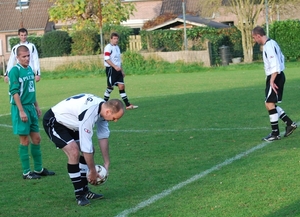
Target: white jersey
34 58
112 53
273 58
81 113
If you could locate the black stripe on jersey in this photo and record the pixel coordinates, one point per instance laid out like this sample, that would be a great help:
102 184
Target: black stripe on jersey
81 116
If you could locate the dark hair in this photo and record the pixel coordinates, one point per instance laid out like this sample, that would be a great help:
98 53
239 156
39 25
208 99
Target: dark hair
115 105
114 34
22 30
258 30
22 48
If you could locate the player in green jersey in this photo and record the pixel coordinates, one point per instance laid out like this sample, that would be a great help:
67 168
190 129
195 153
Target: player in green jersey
24 113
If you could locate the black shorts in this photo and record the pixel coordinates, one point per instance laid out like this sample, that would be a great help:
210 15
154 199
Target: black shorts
58 133
271 96
113 77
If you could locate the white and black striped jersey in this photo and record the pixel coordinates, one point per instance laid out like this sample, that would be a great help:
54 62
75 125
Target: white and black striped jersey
34 58
112 53
273 58
81 113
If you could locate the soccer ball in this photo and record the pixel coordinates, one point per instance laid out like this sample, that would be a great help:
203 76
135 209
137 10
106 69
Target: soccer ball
102 172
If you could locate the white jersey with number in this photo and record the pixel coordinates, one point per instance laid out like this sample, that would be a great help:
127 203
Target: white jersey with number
273 58
81 113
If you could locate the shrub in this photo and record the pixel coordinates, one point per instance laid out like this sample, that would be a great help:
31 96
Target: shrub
124 33
85 42
56 43
286 33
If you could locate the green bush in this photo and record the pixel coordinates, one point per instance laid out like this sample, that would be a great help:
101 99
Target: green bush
133 61
85 42
56 43
124 33
286 33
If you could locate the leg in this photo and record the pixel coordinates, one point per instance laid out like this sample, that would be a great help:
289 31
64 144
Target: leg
273 115
107 93
23 153
290 125
73 153
83 170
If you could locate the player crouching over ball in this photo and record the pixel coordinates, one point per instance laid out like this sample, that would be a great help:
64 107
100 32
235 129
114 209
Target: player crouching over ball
69 124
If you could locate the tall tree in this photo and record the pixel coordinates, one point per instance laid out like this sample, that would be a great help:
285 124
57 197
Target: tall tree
90 13
247 12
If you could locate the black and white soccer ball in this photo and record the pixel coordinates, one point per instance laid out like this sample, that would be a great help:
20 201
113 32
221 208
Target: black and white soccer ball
102 172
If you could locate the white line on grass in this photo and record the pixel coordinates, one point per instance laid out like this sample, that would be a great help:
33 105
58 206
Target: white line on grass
179 130
194 178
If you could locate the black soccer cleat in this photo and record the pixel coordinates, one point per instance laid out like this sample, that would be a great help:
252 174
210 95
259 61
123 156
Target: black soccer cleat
91 195
271 137
290 129
45 172
82 200
31 175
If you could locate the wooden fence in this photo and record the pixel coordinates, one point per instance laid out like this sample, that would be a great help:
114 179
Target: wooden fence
135 43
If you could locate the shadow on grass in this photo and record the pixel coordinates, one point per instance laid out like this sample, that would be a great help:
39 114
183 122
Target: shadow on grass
291 210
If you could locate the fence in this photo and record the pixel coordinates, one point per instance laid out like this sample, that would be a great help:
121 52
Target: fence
135 43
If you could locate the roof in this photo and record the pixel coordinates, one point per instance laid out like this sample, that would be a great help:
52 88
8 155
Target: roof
35 17
175 7
189 19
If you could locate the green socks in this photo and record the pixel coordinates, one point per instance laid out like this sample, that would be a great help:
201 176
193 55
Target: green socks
24 157
37 157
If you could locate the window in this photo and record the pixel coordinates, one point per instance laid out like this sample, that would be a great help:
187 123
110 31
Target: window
8 37
22 4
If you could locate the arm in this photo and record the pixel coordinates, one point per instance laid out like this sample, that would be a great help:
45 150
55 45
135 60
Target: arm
117 68
36 63
10 64
93 175
22 114
37 108
272 82
104 147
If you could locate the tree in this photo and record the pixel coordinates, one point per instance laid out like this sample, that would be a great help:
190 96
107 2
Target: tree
247 12
90 13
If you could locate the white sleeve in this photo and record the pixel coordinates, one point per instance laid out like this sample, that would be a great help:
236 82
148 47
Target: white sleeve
12 60
86 131
35 61
102 129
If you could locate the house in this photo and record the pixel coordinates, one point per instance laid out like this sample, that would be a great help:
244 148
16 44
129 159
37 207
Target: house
145 10
15 14
191 21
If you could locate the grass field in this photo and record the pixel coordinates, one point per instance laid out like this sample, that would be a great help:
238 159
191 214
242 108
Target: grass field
192 148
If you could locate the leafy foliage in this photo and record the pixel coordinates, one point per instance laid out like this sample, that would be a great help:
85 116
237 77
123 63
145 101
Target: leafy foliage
85 42
89 14
123 31
56 43
286 33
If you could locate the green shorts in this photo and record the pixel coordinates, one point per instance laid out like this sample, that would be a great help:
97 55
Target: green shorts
24 128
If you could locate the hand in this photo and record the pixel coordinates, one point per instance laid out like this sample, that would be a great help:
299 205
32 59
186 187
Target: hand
274 87
38 111
6 79
117 68
92 178
23 116
37 78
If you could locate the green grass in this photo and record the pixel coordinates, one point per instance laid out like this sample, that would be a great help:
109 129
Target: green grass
186 123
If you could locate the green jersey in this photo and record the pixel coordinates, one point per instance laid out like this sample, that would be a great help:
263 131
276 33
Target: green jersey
21 81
